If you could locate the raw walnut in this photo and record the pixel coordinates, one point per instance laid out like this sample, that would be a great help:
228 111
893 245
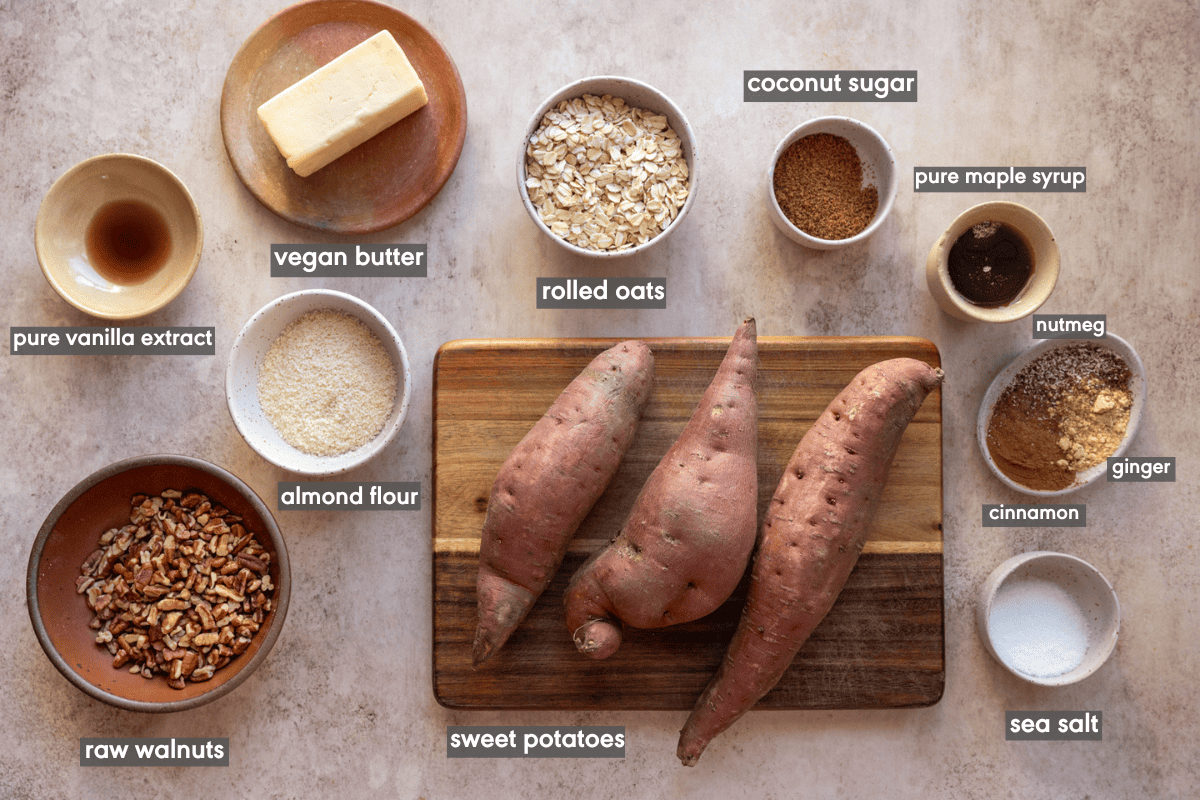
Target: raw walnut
181 590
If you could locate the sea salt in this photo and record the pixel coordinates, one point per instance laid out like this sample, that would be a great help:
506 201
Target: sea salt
1037 628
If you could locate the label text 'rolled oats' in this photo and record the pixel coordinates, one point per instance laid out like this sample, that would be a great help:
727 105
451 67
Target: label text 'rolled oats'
601 292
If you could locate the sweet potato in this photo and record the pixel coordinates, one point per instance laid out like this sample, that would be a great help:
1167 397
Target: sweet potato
688 537
812 533
550 482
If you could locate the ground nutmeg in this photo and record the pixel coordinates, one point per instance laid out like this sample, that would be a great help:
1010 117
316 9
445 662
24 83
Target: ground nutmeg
818 185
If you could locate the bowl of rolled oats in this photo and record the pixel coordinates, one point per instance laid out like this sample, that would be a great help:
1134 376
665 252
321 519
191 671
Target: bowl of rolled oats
607 167
158 583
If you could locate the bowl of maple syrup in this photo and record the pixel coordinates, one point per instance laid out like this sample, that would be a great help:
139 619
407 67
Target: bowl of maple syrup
997 262
118 236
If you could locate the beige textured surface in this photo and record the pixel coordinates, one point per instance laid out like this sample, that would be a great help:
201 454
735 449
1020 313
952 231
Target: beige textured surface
345 700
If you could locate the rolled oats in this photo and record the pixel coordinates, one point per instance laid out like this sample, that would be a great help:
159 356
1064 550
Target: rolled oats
603 175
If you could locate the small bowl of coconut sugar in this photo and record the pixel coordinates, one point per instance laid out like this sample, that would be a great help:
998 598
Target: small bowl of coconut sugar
318 382
1049 618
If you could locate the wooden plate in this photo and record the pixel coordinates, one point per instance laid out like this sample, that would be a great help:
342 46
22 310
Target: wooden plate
882 644
383 181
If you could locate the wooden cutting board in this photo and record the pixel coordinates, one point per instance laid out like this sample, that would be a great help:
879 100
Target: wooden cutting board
882 644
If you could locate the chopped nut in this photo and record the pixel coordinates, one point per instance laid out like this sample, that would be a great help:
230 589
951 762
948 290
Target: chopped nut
250 562
170 591
225 591
205 639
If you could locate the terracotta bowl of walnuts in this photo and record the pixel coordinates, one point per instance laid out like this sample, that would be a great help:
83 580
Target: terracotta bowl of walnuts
158 583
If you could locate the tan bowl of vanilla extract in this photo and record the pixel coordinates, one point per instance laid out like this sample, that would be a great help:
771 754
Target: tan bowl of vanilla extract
960 273
118 236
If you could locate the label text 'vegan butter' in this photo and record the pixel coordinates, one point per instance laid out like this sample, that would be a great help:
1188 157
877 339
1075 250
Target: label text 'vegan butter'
343 104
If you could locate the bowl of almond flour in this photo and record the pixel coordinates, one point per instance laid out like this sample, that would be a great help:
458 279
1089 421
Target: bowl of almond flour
318 382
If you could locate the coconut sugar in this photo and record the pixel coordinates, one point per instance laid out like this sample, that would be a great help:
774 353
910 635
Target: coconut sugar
327 383
818 183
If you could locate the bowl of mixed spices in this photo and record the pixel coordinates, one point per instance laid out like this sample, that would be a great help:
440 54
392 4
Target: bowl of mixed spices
997 262
1055 414
832 182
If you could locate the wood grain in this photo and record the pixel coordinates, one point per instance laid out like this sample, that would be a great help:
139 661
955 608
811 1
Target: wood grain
881 646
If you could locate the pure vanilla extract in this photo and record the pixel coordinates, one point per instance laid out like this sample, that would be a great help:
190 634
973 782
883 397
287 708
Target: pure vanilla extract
128 241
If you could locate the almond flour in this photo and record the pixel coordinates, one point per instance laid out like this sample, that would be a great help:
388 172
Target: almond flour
327 383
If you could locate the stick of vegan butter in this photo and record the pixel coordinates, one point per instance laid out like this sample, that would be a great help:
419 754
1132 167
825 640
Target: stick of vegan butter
344 103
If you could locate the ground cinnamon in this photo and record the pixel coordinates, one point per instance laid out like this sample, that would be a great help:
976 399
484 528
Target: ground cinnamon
818 185
1065 412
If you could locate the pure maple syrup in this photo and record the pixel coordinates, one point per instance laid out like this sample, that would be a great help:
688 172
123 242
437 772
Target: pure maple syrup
128 241
990 264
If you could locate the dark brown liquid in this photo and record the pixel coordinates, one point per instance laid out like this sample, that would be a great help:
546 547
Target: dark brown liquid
990 264
128 241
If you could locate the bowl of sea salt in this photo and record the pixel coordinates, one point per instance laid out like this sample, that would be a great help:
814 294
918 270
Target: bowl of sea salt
1048 618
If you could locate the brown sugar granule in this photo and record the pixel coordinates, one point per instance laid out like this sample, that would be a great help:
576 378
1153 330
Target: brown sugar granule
818 184
1065 412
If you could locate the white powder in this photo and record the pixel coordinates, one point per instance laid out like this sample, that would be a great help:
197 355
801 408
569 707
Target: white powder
1037 628
327 384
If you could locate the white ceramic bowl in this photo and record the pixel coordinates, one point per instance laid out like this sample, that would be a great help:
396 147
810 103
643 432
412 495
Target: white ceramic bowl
246 358
1019 631
1045 259
635 94
879 169
1137 389
60 234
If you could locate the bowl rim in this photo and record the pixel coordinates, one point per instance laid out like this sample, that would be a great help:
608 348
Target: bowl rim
1018 362
282 598
888 200
683 129
59 185
367 451
1025 304
1003 571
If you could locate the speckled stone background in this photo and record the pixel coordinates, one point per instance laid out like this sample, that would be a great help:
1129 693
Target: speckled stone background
344 705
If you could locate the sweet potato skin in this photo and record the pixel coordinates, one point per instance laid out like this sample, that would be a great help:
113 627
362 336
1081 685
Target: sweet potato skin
549 483
688 537
813 532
